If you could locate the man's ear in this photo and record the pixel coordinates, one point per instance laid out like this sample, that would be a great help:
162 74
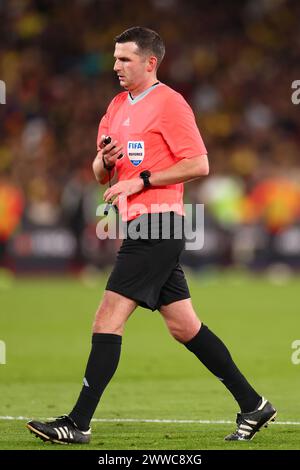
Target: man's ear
152 63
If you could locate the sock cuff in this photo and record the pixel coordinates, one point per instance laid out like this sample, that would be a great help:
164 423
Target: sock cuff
106 338
190 344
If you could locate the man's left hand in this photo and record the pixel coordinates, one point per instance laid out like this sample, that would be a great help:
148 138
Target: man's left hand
124 188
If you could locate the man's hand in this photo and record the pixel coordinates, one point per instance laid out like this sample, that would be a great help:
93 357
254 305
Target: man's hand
110 152
124 188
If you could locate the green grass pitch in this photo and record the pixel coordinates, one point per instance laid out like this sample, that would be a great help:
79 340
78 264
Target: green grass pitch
46 326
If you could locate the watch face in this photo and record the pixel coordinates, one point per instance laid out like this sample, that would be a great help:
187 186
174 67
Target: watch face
145 177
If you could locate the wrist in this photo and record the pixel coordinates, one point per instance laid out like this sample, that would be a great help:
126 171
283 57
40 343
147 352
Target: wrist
145 176
106 166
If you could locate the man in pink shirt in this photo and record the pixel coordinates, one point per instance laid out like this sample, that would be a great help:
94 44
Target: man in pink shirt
155 148
143 122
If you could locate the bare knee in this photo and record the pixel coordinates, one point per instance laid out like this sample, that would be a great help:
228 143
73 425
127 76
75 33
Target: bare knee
108 321
184 333
181 320
112 314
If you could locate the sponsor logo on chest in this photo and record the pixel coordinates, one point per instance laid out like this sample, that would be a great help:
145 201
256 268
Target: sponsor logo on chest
136 151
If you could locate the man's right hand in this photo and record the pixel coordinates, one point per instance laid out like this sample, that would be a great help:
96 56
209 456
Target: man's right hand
110 152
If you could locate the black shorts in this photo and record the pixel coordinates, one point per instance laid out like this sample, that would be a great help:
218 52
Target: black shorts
147 269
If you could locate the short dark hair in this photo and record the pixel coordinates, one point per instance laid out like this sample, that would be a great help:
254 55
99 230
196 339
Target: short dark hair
146 39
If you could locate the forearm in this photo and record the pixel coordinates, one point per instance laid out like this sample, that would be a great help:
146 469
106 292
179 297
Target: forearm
101 174
185 170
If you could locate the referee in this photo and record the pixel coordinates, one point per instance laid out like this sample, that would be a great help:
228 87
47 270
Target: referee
155 147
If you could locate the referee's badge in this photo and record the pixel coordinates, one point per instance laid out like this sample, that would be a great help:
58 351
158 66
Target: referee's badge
136 151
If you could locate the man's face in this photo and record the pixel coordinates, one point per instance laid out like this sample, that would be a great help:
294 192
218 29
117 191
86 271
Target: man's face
130 65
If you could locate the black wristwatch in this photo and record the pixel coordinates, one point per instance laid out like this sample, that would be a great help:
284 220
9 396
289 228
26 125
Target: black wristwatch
145 175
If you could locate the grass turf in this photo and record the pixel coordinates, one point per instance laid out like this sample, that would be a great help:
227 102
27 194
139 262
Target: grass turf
46 325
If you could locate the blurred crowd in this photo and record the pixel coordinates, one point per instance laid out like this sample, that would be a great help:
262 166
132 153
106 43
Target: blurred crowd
233 61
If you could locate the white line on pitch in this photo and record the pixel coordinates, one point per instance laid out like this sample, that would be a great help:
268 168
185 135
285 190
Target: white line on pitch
133 420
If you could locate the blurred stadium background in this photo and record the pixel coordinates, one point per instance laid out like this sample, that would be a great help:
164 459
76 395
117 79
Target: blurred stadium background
233 61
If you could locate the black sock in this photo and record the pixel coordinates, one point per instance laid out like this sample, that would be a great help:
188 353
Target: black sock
102 364
212 352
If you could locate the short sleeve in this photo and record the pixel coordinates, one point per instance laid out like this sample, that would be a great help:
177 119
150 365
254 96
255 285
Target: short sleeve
102 129
179 128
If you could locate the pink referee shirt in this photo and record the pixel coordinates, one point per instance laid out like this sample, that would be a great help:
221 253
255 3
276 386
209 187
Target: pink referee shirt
157 129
